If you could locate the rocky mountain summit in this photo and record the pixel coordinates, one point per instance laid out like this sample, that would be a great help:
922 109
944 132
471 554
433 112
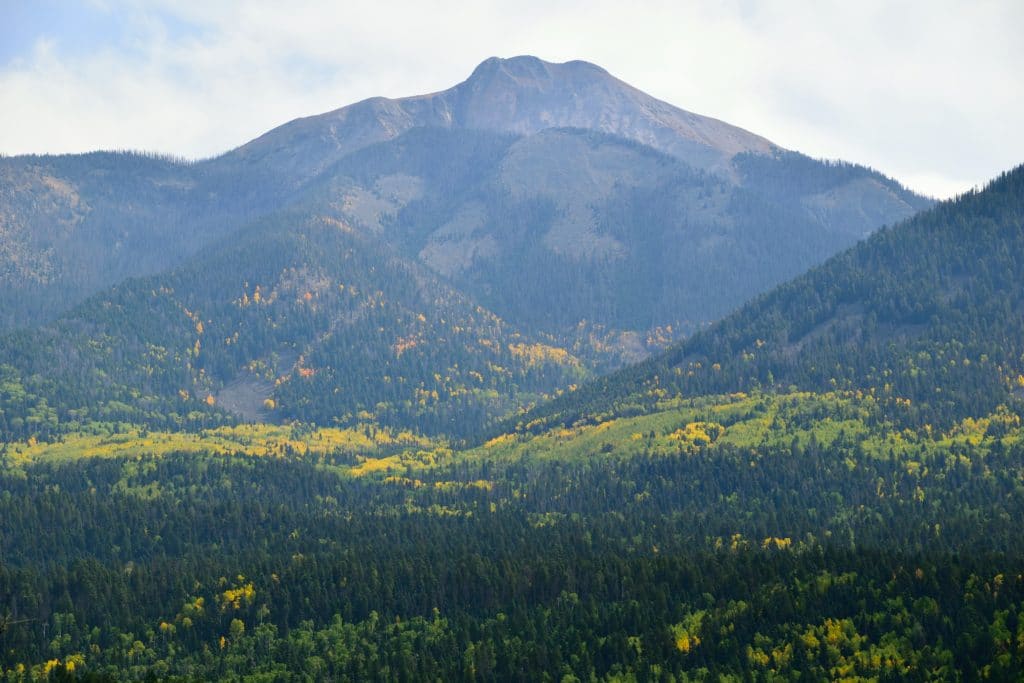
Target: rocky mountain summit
521 95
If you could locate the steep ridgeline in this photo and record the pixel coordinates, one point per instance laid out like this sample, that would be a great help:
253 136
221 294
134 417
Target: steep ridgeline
299 318
73 225
522 95
927 316
565 200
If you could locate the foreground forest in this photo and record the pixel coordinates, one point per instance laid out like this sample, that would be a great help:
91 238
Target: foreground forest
729 536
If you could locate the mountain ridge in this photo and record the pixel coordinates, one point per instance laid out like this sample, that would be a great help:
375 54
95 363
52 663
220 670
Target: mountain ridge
521 95
72 225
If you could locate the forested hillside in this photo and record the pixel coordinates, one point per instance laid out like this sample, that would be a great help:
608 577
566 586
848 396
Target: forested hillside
298 319
928 314
75 224
433 282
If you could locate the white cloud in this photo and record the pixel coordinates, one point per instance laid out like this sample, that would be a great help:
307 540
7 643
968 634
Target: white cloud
926 91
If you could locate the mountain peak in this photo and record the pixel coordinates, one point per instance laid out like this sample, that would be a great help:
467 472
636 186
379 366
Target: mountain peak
529 66
522 95
493 64
526 94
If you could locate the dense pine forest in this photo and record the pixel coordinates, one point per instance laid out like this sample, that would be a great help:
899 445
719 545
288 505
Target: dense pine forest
729 536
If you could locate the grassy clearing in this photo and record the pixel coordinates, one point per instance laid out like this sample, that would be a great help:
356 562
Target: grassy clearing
677 426
259 440
750 421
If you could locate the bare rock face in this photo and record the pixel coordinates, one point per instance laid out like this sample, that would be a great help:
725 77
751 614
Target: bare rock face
520 95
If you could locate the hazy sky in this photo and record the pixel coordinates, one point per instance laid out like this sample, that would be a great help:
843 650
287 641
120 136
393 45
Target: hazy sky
930 92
